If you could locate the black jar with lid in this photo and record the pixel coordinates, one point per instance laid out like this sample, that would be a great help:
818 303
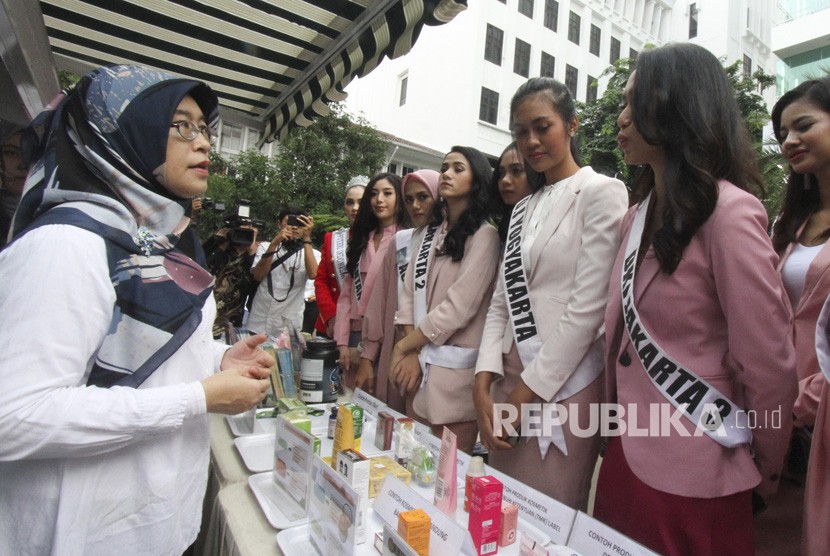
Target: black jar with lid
319 371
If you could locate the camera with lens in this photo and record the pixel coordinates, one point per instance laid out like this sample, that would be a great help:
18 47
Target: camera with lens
239 224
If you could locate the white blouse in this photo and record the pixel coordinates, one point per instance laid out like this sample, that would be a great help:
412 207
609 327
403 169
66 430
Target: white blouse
86 470
794 271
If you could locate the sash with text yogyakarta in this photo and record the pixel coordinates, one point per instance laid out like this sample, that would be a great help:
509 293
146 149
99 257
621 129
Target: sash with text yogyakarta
525 333
338 253
527 339
701 403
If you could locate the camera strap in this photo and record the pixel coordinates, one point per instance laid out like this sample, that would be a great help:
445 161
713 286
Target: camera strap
281 259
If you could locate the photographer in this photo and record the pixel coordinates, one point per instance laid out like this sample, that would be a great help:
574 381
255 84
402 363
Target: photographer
230 254
282 267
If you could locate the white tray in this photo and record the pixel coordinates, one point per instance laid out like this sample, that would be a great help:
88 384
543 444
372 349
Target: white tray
257 450
297 539
269 424
261 426
279 508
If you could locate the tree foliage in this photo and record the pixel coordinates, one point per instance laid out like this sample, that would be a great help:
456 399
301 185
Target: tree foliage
310 171
316 162
598 127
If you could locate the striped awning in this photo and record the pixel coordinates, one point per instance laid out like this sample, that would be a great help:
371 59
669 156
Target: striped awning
273 63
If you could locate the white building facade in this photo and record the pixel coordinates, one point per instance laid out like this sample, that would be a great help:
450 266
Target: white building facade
455 85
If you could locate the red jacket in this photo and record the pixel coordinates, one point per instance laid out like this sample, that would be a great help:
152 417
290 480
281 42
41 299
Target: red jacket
326 287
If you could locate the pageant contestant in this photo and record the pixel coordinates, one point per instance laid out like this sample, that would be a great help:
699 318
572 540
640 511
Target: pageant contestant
447 288
420 190
328 282
542 341
697 323
511 183
380 215
801 121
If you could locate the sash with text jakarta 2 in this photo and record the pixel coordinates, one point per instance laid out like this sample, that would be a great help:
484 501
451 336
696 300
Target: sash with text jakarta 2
449 357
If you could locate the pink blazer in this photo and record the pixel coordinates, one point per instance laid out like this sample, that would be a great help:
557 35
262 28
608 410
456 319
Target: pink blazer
457 295
568 282
379 318
816 290
723 313
347 303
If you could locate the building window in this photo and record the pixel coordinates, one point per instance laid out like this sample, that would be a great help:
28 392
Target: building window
231 138
596 37
591 90
521 58
551 14
571 77
615 50
407 170
692 20
251 136
747 67
392 168
493 44
632 53
526 8
489 108
404 83
548 65
573 28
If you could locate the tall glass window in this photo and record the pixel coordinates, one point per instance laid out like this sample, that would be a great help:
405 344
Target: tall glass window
493 44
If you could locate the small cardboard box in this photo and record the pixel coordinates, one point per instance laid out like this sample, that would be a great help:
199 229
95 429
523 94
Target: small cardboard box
380 467
414 527
384 430
485 514
354 466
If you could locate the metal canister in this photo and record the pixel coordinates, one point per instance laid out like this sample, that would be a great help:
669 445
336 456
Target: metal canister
319 371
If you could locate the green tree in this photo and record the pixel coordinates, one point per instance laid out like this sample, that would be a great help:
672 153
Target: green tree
598 127
313 165
597 134
316 162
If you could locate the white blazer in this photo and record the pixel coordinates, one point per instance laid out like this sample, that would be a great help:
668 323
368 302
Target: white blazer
571 260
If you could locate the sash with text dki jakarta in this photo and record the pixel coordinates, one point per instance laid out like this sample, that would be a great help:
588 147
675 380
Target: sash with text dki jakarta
701 403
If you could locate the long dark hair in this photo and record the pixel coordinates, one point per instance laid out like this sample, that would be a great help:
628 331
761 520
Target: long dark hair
801 198
366 221
478 206
500 210
682 101
563 104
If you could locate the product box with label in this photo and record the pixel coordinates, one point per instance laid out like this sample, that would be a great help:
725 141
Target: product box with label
485 514
354 466
379 468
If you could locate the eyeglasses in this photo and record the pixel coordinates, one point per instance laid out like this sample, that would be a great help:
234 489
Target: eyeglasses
190 131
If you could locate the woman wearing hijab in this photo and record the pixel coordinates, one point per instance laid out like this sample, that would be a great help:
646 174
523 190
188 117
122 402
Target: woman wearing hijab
107 370
419 190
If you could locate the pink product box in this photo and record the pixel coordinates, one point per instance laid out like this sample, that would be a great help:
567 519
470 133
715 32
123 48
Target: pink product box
509 522
485 514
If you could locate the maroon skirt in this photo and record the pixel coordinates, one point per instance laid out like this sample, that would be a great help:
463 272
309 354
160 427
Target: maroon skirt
667 523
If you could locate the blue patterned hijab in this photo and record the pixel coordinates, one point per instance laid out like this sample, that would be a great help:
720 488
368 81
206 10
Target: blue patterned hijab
97 159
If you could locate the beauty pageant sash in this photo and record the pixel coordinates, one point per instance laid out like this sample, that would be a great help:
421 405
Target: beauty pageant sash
701 403
525 333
